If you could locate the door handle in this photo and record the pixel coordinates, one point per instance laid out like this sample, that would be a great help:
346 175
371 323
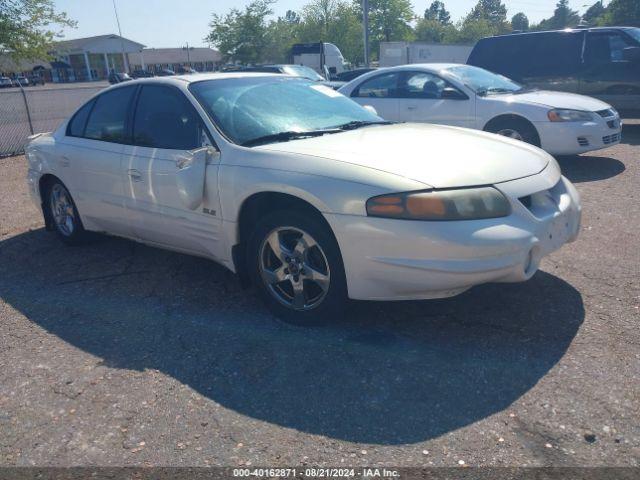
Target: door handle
411 107
135 175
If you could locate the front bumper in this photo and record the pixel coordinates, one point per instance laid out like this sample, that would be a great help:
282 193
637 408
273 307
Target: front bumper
570 138
387 259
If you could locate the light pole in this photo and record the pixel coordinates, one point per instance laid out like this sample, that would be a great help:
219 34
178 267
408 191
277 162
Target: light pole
124 57
365 27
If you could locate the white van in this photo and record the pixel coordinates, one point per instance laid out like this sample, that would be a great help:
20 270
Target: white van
323 57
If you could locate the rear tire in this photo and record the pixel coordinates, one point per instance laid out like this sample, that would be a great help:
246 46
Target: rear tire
516 128
295 263
63 214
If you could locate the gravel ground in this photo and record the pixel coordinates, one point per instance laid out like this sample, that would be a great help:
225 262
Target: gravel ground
120 354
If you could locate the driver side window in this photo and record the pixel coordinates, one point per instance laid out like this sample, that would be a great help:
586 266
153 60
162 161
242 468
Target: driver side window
422 85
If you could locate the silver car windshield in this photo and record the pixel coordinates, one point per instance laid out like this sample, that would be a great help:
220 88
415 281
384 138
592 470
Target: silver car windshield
302 71
482 81
634 32
251 108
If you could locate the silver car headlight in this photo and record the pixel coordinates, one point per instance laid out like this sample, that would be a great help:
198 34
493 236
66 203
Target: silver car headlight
566 115
454 204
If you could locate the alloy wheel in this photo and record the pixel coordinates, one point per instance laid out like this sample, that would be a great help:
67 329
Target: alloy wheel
62 210
511 133
294 268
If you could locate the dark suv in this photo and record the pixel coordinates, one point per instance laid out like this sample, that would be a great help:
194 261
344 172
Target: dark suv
599 62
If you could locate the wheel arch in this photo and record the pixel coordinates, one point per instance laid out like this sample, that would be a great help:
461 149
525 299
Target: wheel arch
510 118
256 206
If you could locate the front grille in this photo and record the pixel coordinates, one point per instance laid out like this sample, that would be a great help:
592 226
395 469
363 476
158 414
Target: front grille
526 201
583 142
608 139
606 113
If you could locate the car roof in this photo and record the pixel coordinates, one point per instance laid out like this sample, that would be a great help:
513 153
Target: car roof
567 30
197 77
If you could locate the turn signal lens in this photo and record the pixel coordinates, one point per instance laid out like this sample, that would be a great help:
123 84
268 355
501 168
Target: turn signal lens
459 204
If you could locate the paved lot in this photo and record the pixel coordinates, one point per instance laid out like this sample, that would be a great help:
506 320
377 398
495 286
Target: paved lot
121 354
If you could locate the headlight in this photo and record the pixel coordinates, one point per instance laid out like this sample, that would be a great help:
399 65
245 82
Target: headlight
459 204
564 115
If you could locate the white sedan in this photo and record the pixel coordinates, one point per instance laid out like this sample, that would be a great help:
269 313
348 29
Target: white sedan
301 191
466 96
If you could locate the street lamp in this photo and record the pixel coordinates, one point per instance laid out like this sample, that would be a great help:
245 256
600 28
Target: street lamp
365 27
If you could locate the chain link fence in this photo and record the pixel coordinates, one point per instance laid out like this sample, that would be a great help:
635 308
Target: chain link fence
24 112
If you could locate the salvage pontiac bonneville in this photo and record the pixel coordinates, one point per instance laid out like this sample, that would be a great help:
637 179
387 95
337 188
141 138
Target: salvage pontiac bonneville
303 192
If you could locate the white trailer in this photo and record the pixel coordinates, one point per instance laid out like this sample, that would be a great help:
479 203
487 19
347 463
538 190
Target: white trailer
402 53
322 57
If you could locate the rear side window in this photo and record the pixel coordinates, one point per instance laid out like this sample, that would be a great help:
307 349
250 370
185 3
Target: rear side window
164 118
380 86
108 120
79 120
605 47
519 57
421 85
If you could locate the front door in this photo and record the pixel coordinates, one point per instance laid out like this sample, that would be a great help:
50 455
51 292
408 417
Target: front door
425 97
166 131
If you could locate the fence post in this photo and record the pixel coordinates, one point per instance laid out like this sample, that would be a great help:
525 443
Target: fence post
26 106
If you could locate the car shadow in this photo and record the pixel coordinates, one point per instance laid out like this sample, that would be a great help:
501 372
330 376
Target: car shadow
586 168
390 373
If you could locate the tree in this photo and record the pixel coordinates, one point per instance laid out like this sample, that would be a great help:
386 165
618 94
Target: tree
622 12
520 22
335 21
242 35
593 13
437 12
389 20
433 31
471 30
493 11
281 35
563 17
25 27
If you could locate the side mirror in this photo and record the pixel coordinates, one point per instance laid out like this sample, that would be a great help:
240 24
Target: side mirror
631 54
190 178
449 93
370 109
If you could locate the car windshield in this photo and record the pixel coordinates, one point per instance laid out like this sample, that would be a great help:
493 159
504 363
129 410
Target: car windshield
634 32
482 81
251 108
302 71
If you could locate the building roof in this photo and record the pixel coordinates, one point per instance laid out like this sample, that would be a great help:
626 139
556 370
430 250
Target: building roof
152 56
110 43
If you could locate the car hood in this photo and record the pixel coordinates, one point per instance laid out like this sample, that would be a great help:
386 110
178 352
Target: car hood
558 100
436 155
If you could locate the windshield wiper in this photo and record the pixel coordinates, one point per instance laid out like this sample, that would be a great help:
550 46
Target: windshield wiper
286 136
361 123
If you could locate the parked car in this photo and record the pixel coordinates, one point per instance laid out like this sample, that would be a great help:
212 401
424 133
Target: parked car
36 79
185 70
165 72
349 75
471 97
5 82
599 62
313 200
141 74
295 71
21 81
115 77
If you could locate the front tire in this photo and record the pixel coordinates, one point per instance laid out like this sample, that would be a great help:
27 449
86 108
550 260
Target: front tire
295 263
517 128
63 214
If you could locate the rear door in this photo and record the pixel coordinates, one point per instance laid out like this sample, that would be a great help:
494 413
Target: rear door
607 74
167 130
426 97
93 147
381 92
551 61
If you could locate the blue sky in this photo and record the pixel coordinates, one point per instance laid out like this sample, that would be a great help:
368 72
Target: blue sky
171 23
